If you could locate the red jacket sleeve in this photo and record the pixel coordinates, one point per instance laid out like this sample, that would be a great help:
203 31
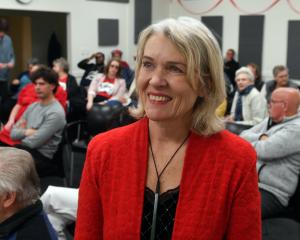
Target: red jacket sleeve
245 218
89 224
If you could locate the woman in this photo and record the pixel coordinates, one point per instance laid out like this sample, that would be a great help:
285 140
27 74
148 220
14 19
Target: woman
66 80
174 174
107 87
75 101
258 82
249 107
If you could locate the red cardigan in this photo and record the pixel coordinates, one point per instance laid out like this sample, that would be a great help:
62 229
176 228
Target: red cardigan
218 198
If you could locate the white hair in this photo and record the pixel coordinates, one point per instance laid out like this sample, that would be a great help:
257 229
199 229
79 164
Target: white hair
18 174
246 71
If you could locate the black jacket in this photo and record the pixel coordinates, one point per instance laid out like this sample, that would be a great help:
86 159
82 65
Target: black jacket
29 223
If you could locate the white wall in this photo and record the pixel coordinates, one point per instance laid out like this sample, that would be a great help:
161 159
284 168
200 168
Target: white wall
82 25
82 39
275 26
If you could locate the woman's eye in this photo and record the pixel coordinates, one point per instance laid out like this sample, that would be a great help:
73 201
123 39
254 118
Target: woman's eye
147 65
174 69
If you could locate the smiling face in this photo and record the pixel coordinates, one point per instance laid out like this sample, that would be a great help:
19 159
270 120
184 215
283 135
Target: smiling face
162 81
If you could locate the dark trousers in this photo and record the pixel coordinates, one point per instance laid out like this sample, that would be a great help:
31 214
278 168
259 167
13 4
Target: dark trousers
270 205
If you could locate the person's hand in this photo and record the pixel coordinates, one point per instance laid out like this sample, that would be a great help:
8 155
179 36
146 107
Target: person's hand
89 105
8 125
229 118
263 137
123 100
30 132
10 65
22 124
2 65
15 81
92 56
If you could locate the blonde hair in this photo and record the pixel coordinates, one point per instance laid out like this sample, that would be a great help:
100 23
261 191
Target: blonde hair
202 53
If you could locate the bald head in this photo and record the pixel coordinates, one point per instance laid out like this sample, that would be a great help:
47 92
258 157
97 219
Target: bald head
284 103
291 97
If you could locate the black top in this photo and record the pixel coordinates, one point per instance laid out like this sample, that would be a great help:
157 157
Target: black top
91 69
166 210
230 68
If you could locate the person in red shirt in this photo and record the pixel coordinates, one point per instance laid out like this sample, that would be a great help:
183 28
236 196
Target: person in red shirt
107 87
175 173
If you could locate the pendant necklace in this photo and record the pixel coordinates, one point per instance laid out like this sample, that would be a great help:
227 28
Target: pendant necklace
157 188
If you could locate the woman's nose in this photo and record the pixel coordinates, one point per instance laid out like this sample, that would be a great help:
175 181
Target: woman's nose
158 77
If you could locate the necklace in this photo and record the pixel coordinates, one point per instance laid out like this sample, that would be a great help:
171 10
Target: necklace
157 188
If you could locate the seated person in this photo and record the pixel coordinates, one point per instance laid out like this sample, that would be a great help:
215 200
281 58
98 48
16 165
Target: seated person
21 211
16 86
26 97
66 80
126 72
40 128
60 204
108 87
248 106
76 102
24 78
258 82
91 69
281 79
276 141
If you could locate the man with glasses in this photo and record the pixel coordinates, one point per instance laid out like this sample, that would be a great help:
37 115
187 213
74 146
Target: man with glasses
276 141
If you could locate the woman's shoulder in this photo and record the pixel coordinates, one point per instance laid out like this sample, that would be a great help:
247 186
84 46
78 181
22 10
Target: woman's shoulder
121 136
232 148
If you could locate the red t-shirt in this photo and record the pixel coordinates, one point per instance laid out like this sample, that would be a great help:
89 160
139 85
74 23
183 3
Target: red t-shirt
106 88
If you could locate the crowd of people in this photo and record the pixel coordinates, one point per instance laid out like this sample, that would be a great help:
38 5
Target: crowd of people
175 173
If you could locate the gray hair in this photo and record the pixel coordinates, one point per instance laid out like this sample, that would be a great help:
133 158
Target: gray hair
63 63
246 71
18 174
202 53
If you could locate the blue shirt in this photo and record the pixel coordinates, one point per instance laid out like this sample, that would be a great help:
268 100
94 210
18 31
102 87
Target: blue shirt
6 56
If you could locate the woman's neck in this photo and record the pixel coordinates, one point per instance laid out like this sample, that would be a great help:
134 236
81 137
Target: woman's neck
111 76
62 74
168 130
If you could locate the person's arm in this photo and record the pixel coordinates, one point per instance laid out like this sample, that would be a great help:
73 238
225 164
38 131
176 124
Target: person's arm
12 117
90 206
281 143
252 135
11 62
18 131
92 91
52 123
245 214
60 204
84 64
121 90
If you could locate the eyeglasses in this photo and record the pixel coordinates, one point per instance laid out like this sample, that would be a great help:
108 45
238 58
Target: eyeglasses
273 102
114 66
